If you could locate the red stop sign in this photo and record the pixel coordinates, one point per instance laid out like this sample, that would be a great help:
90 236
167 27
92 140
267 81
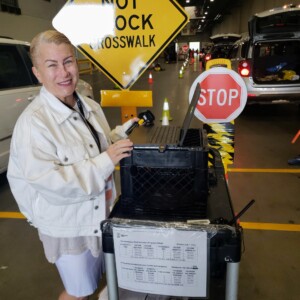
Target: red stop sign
223 95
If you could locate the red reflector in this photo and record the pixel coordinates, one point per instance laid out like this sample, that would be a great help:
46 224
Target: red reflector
251 95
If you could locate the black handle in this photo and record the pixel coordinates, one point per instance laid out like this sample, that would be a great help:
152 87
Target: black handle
241 212
130 129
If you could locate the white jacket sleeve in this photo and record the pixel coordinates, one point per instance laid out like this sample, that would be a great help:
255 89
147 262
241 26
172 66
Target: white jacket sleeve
120 131
62 173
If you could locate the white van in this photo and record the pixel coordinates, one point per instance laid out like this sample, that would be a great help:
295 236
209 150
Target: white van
18 86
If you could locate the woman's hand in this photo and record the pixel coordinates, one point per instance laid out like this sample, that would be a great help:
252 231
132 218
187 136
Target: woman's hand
119 150
134 119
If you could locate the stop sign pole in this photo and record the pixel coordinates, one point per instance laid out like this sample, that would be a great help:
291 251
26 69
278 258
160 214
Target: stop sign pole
223 95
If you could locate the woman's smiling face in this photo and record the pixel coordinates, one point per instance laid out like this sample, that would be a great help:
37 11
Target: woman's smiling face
56 68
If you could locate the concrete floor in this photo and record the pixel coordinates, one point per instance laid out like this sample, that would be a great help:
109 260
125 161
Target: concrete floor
270 265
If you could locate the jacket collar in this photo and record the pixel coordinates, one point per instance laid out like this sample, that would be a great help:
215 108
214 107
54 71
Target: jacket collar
60 111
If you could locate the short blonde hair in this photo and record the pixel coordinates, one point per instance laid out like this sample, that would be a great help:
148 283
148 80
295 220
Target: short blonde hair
48 36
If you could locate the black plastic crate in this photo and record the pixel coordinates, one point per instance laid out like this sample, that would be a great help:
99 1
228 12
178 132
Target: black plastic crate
225 244
166 179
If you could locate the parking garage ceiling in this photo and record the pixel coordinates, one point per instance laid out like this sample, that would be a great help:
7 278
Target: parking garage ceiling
204 14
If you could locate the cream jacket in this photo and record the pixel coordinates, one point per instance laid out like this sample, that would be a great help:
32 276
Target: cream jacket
55 171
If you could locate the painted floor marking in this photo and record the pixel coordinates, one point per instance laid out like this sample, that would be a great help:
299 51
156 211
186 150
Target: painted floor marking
245 170
11 215
270 226
245 225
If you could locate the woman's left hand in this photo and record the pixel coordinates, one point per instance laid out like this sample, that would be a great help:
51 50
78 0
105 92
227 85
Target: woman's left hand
119 150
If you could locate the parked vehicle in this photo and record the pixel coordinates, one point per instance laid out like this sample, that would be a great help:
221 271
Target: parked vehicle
268 59
18 87
222 43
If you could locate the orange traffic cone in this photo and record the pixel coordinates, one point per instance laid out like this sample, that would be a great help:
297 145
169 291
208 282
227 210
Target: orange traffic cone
150 79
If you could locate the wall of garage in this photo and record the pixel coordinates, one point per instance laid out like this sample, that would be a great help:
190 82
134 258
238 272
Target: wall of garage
36 16
237 21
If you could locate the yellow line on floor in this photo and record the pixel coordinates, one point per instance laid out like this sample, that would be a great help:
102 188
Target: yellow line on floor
270 226
241 170
245 225
11 215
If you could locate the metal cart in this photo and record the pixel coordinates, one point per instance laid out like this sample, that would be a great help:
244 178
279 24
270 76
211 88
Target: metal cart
224 247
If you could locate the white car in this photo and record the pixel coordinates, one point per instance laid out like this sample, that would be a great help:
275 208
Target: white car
221 46
268 59
18 87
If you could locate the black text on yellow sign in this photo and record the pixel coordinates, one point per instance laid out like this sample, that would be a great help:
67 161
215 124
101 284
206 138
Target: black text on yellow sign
122 37
134 22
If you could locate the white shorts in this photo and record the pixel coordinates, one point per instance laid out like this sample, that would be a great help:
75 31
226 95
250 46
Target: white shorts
80 273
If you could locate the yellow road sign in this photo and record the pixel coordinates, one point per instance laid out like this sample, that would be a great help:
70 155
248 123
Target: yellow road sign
121 37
